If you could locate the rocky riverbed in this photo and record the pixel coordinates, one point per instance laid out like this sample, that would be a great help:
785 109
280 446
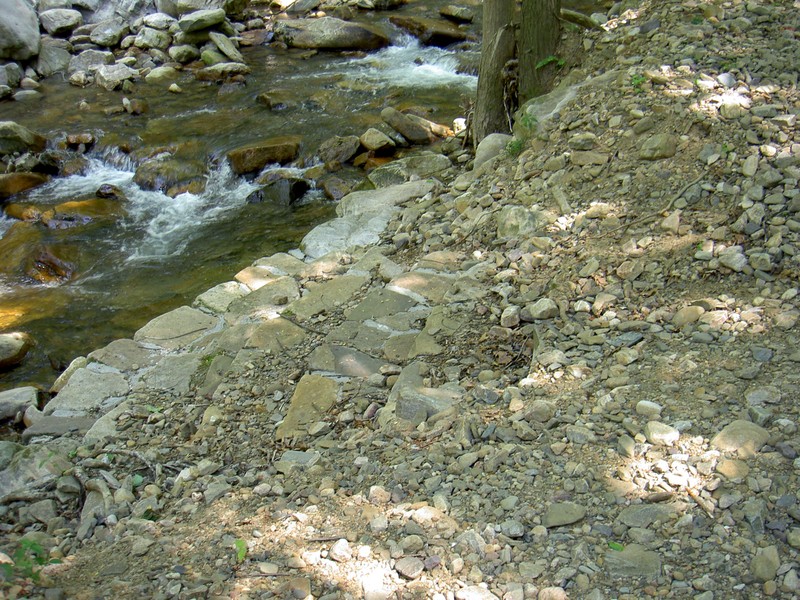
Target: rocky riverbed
567 372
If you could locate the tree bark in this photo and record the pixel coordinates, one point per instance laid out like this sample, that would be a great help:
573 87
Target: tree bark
497 49
538 38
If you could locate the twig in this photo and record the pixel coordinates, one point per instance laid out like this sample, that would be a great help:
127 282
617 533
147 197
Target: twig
701 502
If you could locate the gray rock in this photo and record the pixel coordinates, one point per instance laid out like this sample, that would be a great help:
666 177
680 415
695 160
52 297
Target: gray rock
764 565
32 465
563 513
740 436
376 141
419 166
340 551
89 61
633 561
328 33
543 308
661 434
60 21
363 216
226 46
110 77
19 30
409 567
177 328
733 258
201 19
662 145
644 515
475 592
17 400
173 373
184 53
53 58
489 147
109 33
403 124
149 38
87 390
518 222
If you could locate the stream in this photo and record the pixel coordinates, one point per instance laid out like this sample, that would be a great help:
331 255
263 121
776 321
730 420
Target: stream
153 253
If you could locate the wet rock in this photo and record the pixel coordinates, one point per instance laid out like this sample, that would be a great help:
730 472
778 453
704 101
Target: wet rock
19 37
431 32
338 149
377 141
222 71
459 14
170 175
328 33
14 183
253 157
13 348
60 22
403 124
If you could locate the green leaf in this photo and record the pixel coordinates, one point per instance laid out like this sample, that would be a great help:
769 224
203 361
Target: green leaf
241 549
616 546
137 480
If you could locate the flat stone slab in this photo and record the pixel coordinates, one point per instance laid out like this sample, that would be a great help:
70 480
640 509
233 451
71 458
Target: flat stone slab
264 303
380 303
328 295
177 328
296 459
281 264
58 426
17 400
740 436
106 426
421 284
634 561
218 298
33 464
314 396
563 513
276 336
344 361
173 373
125 355
86 391
644 515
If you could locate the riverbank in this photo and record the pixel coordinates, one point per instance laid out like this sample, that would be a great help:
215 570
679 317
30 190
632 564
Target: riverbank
569 372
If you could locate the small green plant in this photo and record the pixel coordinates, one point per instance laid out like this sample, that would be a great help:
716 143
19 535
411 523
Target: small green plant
29 558
616 546
241 550
514 147
529 122
637 81
559 62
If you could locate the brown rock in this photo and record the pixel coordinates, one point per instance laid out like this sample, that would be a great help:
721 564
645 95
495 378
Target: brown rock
253 157
14 183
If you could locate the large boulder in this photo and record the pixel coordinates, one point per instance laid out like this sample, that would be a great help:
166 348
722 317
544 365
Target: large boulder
431 32
110 77
254 157
54 57
170 175
108 33
201 19
14 183
16 138
328 33
339 149
19 30
411 129
90 60
60 22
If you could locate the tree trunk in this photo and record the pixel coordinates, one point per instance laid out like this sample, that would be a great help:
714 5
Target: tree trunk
497 49
538 39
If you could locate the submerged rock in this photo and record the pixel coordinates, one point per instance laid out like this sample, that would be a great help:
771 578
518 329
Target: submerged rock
328 33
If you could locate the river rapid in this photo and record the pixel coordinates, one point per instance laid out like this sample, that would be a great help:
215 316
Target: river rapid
159 252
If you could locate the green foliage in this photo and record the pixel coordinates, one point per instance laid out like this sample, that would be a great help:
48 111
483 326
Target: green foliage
514 147
559 62
137 480
529 122
29 558
637 81
241 550
616 546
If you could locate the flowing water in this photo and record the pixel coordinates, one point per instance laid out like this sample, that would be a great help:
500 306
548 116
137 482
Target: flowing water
152 252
